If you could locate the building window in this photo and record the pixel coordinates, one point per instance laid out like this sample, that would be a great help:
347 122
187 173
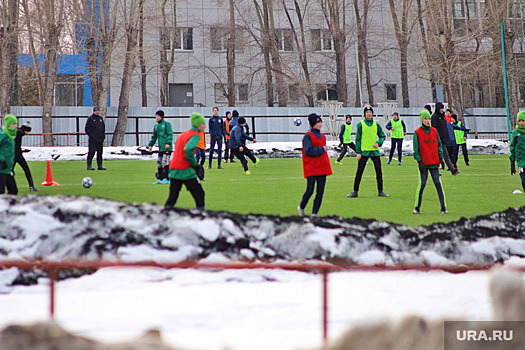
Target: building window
516 9
284 39
521 89
327 92
219 38
471 9
69 90
322 40
293 92
241 92
391 92
183 39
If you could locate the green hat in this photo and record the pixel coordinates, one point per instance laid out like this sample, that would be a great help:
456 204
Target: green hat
197 119
521 115
10 119
424 114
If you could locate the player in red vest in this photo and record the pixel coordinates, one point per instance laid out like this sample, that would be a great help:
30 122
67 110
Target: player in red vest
428 152
184 167
316 165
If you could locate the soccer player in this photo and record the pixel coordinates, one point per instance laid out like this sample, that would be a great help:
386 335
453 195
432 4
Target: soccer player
217 132
238 145
398 130
19 155
163 132
7 155
428 152
517 148
369 137
345 137
184 166
316 165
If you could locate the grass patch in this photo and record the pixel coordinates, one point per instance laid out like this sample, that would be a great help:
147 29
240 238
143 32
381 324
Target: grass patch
276 187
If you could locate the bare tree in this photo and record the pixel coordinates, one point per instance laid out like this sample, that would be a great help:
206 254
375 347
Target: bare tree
168 34
403 34
230 55
420 14
142 60
131 33
9 31
302 49
108 34
362 48
335 15
54 14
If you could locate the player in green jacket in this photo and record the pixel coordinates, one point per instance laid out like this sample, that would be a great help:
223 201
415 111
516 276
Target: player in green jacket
428 152
163 132
517 148
7 155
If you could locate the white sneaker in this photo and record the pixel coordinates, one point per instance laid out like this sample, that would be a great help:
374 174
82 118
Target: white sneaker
300 211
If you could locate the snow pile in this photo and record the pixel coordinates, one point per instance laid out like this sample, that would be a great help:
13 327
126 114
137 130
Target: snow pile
260 149
57 228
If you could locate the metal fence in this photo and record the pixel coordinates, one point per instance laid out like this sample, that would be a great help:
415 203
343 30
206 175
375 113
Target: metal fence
52 269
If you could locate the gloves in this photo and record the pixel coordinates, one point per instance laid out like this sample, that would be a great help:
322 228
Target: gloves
3 164
421 166
199 169
512 168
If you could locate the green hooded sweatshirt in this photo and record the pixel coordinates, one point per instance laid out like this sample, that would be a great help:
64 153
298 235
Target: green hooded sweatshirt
164 133
517 147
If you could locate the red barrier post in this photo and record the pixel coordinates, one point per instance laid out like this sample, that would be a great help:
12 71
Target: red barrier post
325 305
51 272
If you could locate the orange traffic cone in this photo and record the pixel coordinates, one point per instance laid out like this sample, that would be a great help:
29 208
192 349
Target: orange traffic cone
49 177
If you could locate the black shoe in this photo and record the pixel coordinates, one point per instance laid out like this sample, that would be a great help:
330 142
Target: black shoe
416 211
102 168
209 167
455 172
382 194
90 168
444 211
467 164
232 161
220 167
33 189
352 195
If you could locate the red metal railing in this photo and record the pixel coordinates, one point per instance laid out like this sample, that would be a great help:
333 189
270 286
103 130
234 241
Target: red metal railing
53 267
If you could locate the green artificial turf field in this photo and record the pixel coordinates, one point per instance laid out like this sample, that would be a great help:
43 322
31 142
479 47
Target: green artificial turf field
276 186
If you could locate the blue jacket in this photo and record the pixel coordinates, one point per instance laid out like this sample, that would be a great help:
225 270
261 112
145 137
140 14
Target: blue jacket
217 128
309 150
451 135
238 137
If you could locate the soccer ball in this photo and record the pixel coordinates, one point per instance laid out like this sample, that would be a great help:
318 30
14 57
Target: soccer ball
87 182
297 121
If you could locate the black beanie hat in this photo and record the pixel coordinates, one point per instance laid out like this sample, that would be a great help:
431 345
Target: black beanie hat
439 105
26 126
235 113
160 113
314 119
428 108
241 120
227 112
368 108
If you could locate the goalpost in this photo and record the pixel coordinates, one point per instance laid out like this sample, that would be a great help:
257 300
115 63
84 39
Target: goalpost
331 109
386 109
